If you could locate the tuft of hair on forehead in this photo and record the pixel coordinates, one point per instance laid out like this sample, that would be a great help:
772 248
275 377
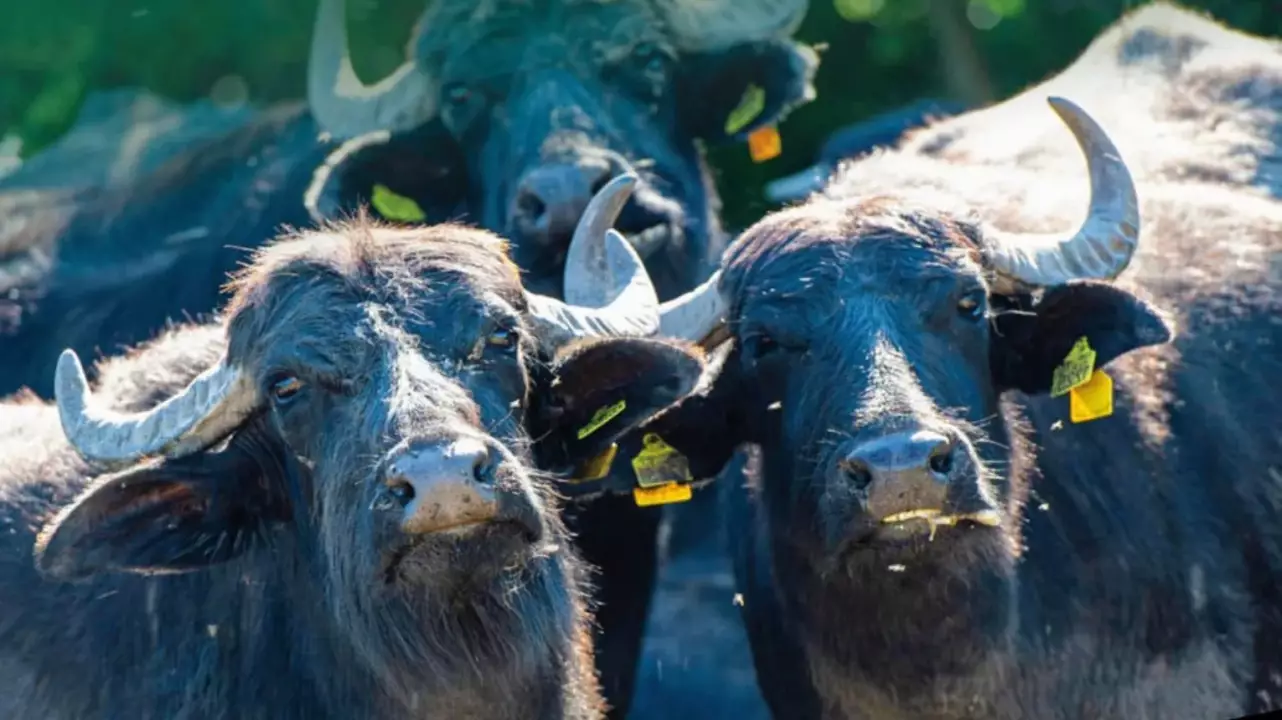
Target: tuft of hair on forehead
363 252
838 225
457 28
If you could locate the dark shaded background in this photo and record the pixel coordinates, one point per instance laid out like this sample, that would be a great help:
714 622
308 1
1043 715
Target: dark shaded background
879 54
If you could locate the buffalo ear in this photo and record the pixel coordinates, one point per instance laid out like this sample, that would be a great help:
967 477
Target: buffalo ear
708 425
1029 343
413 177
602 389
776 75
162 516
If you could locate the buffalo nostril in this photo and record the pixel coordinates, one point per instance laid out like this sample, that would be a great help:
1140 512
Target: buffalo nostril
401 491
483 469
941 459
530 205
857 472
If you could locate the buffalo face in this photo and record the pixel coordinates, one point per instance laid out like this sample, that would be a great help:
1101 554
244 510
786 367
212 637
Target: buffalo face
374 425
542 103
873 341
877 356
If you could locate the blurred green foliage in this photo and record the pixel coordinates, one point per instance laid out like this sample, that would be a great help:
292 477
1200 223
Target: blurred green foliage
877 55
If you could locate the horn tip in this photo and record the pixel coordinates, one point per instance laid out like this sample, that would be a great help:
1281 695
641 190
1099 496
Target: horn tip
623 182
618 248
1059 102
1066 109
69 374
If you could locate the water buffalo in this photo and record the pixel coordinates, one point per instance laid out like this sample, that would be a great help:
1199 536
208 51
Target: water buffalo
525 105
930 529
546 101
345 513
589 90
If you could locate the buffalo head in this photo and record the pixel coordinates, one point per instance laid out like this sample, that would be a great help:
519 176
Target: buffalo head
873 340
373 427
526 109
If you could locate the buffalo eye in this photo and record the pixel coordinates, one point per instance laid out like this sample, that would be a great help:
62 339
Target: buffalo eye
285 387
505 338
760 346
971 306
458 95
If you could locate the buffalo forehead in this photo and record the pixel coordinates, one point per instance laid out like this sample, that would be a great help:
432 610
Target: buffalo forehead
324 289
490 41
886 253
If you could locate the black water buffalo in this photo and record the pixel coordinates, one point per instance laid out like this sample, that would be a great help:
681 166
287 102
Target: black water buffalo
503 107
927 531
548 100
591 89
338 513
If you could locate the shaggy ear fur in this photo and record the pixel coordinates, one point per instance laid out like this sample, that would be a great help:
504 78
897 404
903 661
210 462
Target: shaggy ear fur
602 389
715 84
1029 344
167 515
414 177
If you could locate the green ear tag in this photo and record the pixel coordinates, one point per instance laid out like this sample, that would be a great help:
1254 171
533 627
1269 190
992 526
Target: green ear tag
396 207
1075 370
749 107
602 416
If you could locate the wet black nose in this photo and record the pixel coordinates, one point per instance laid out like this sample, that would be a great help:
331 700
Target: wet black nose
903 471
443 484
550 199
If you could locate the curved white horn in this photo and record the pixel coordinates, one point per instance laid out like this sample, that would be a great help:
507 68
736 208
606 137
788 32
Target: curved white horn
1105 243
589 279
209 408
695 315
634 311
607 289
706 25
343 105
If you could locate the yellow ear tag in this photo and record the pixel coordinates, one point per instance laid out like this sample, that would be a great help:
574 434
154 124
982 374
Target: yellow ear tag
602 416
749 107
1091 400
396 207
764 144
1075 370
658 463
662 495
597 467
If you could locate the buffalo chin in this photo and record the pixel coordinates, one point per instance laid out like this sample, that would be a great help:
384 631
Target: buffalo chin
467 551
902 547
